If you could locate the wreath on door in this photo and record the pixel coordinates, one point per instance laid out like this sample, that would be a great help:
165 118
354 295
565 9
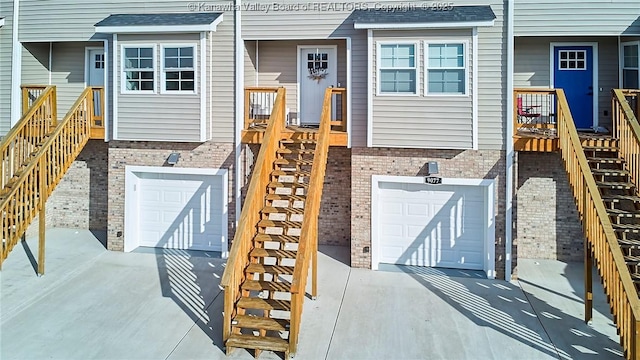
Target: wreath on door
317 74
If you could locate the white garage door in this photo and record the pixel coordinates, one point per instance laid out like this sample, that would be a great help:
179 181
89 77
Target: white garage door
179 211
431 225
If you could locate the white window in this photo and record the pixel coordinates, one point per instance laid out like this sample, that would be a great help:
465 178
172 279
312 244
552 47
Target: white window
631 66
397 72
446 68
178 68
138 68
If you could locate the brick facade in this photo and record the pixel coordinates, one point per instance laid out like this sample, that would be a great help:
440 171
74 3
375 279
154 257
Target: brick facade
192 155
546 216
366 162
80 199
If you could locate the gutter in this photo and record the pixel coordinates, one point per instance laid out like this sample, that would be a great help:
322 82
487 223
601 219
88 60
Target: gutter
509 144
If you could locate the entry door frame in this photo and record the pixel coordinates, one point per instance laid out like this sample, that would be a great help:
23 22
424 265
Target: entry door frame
299 66
87 64
489 214
596 88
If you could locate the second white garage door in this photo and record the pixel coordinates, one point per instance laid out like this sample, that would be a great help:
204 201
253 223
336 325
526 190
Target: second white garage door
177 210
431 225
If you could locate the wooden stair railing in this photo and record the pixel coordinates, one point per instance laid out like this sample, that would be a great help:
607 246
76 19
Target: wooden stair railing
20 143
28 190
600 236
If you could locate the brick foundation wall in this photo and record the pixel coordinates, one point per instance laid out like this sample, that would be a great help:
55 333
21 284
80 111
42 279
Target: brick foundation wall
546 216
80 199
192 155
486 164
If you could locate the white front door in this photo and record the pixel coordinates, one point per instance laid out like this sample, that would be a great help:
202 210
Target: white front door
96 68
317 71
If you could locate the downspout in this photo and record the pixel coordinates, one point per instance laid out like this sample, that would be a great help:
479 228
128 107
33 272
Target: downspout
509 144
257 63
50 59
620 63
16 66
239 102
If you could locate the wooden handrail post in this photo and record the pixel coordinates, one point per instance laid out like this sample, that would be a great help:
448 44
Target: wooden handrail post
42 185
54 107
314 269
588 264
25 100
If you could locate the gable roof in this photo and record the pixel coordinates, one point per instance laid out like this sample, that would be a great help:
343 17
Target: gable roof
418 17
166 22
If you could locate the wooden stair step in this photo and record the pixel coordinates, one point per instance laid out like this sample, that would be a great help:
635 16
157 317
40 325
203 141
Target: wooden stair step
618 198
279 224
632 260
610 172
628 228
269 269
264 304
282 210
277 238
257 342
623 214
274 253
291 185
605 160
286 197
259 322
615 185
255 285
296 151
287 172
293 162
299 141
632 244
600 148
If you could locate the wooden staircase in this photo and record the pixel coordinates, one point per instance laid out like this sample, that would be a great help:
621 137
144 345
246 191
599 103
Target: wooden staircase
35 155
276 241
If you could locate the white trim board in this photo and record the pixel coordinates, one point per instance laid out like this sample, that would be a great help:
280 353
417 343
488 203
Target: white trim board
441 25
370 71
489 214
203 82
131 179
596 88
115 77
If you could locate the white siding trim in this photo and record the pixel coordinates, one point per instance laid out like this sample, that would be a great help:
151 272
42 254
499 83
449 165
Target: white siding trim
121 73
203 83
416 50
150 29
474 89
107 88
238 65
196 70
596 88
16 66
370 88
348 86
441 25
115 76
488 216
509 158
51 64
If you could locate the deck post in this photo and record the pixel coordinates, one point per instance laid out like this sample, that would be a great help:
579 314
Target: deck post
314 268
588 267
41 219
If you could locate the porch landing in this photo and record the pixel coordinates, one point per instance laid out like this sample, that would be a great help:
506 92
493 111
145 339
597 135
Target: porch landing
255 134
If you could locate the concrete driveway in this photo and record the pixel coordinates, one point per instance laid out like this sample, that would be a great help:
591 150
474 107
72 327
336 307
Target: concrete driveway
167 304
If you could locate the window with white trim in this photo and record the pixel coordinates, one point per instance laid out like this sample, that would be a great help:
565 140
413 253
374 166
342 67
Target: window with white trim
631 66
138 69
446 69
179 68
397 72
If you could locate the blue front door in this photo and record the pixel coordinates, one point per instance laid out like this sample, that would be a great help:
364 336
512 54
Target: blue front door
573 72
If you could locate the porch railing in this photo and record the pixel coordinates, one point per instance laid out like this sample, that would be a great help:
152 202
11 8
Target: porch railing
534 111
259 103
598 230
97 112
30 93
339 109
17 147
633 98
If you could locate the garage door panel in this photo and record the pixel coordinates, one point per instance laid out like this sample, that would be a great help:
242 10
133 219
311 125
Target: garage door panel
438 225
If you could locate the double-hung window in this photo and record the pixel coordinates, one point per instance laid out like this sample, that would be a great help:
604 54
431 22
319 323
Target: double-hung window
446 68
631 65
178 69
138 69
397 69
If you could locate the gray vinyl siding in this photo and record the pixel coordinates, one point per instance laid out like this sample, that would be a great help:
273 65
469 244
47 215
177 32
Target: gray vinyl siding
576 17
277 66
158 117
65 20
67 69
6 9
222 91
422 121
532 67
